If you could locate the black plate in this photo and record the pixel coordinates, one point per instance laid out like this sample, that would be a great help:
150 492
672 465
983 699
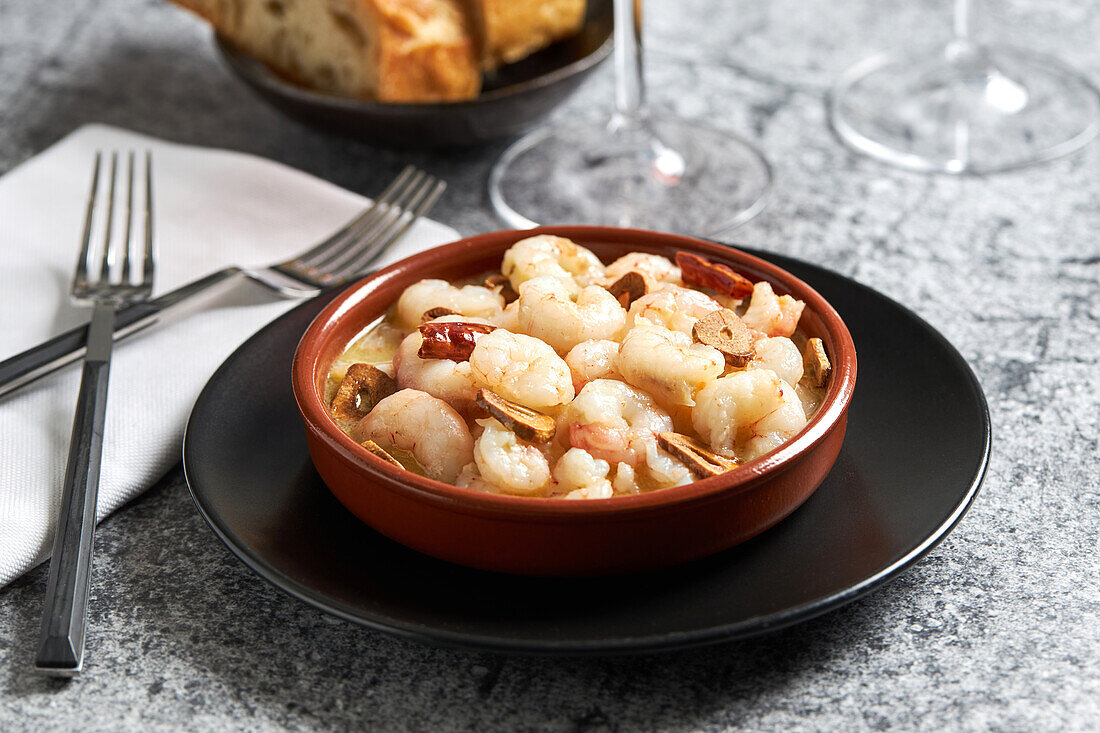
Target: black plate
915 454
512 101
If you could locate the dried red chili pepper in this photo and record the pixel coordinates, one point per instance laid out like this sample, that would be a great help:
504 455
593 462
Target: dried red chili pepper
696 270
452 340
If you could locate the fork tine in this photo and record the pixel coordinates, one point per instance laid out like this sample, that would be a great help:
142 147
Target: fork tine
395 210
432 190
384 202
148 261
107 258
129 218
334 259
363 239
356 237
309 259
80 275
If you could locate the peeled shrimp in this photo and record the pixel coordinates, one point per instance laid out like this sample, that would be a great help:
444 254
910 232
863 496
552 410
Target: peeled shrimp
448 380
771 314
509 317
581 476
591 360
470 478
777 427
659 471
469 300
746 414
563 315
663 470
585 476
674 308
508 463
522 369
658 271
546 254
667 365
613 421
625 480
425 426
779 354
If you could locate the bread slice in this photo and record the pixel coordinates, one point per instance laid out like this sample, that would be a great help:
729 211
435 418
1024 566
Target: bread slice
388 50
509 30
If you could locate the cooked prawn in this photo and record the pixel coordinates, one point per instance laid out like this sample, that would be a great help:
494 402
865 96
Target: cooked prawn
581 476
777 427
509 464
591 360
779 354
771 314
663 470
667 365
742 415
625 480
659 471
658 271
469 300
674 308
546 254
508 318
613 421
522 369
425 426
470 478
563 315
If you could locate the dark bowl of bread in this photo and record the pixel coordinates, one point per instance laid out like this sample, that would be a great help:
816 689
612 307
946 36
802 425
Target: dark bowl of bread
412 73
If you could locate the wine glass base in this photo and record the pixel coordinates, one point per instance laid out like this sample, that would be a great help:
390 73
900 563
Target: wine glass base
665 174
998 109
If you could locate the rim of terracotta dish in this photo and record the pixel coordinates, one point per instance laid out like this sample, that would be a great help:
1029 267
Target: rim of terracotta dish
839 394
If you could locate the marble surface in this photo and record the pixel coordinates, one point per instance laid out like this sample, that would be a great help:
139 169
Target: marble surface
997 629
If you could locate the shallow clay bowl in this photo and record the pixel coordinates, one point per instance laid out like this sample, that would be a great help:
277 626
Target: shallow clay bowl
539 536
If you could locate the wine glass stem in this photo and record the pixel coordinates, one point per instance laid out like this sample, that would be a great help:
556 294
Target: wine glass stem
629 84
964 23
963 50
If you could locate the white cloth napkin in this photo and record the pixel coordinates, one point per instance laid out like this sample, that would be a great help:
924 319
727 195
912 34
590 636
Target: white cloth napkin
212 209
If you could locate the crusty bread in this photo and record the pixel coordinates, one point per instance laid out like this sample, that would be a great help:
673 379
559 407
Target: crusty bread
508 30
389 50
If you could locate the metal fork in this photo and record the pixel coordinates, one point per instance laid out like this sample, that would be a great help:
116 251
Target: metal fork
347 253
106 285
337 260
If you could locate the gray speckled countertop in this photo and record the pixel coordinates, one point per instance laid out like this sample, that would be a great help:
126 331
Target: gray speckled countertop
997 629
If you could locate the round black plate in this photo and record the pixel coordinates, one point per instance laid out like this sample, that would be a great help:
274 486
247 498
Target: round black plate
512 101
915 454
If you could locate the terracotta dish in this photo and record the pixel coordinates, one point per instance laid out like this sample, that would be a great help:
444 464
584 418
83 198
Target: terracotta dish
558 537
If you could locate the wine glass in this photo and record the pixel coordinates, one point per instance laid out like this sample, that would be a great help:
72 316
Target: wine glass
635 170
964 107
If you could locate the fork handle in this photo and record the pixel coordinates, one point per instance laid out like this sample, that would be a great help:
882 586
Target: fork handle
51 355
61 646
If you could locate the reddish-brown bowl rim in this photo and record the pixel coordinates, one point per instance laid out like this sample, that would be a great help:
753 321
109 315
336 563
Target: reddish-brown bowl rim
317 420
